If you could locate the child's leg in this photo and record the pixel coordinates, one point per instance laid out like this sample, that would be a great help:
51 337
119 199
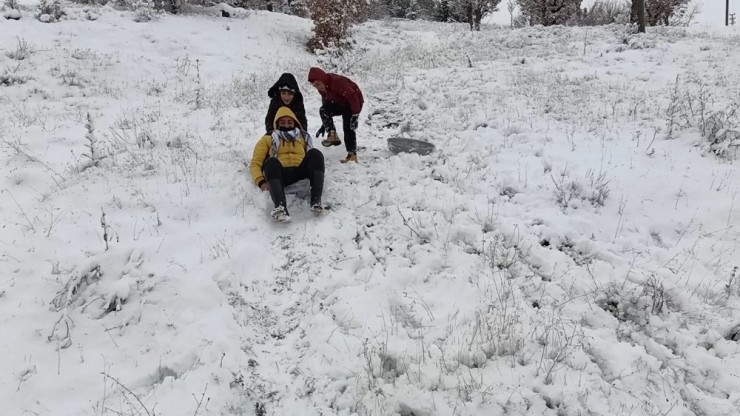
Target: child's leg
273 170
312 167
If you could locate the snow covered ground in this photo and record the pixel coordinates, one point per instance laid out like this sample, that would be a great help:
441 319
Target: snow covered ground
570 248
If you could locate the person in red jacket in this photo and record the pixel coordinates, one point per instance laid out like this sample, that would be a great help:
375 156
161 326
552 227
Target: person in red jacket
340 96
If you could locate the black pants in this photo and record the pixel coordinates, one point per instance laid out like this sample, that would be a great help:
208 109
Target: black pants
332 110
278 177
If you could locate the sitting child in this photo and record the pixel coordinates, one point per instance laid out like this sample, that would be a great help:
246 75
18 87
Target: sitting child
284 157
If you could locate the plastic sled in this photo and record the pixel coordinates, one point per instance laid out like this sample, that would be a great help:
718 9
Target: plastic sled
301 189
399 145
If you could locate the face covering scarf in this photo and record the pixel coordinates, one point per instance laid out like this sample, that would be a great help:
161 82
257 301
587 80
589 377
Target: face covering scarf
289 136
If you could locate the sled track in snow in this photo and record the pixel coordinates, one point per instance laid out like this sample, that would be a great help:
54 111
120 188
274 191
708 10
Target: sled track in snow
278 315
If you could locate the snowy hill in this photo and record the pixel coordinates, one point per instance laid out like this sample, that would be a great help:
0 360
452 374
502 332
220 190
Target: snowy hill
570 248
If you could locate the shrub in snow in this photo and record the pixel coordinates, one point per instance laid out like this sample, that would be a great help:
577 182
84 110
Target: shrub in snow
10 76
332 21
593 188
722 130
91 14
102 285
87 13
229 11
342 58
733 334
727 144
93 154
50 11
144 11
635 305
12 14
22 51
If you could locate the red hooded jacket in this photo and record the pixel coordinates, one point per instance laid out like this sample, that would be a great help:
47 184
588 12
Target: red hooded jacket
339 90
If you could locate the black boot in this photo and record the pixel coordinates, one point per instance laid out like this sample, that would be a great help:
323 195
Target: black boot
317 188
277 193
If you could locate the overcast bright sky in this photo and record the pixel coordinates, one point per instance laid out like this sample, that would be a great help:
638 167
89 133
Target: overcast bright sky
712 12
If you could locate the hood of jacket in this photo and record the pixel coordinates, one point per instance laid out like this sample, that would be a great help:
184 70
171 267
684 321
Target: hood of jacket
285 112
287 79
318 74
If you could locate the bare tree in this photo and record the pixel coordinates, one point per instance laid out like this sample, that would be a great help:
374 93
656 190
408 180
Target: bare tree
658 12
510 7
474 10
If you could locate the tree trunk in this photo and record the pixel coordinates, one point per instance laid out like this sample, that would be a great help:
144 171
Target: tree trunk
469 13
639 14
477 16
543 14
727 12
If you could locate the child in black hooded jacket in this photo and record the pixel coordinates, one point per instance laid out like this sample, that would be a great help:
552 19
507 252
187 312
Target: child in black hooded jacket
285 93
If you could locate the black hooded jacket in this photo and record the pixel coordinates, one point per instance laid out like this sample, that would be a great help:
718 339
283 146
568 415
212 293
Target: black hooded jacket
287 79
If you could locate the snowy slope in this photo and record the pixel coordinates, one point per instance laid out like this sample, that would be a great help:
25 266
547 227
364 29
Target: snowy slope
566 250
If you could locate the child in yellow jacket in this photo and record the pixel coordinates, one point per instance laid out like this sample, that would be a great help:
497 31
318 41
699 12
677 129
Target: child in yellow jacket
284 157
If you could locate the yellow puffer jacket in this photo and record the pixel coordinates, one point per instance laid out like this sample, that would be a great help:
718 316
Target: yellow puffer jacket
290 154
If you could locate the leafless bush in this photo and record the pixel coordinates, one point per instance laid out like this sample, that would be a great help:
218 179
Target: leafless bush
72 78
677 112
75 286
598 187
566 190
93 155
637 304
558 339
83 54
733 285
10 77
22 51
505 257
594 188
199 91
727 145
144 10
722 131
11 4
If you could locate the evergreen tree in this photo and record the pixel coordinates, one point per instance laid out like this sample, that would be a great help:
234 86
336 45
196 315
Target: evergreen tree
549 12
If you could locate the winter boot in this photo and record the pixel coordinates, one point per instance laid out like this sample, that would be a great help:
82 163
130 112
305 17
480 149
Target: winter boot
331 139
318 209
280 215
317 188
277 193
351 157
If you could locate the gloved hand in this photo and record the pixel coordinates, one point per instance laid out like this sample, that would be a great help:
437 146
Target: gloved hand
321 132
354 122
